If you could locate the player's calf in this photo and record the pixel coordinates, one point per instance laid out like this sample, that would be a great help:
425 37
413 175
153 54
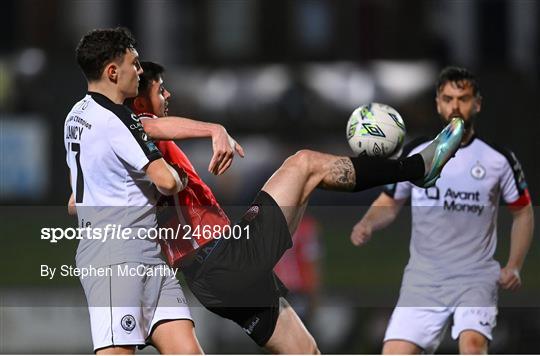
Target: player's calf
290 336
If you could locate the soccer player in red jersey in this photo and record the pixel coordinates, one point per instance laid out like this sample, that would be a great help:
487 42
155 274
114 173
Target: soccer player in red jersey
195 206
234 278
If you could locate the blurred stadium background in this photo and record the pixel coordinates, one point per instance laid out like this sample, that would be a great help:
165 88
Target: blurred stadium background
280 75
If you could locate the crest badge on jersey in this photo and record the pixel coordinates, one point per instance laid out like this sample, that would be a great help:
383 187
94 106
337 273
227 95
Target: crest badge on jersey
251 213
128 322
478 171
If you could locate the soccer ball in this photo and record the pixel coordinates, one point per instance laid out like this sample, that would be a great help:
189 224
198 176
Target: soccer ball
376 130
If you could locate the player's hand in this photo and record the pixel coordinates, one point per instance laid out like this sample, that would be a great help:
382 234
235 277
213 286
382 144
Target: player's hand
361 234
509 278
72 208
224 147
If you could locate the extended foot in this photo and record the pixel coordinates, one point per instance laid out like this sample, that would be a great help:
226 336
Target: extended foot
439 151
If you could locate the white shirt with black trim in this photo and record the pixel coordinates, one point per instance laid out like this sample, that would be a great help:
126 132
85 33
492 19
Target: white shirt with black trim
454 223
107 150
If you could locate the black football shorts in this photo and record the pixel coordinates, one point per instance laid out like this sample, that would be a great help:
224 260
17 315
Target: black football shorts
234 278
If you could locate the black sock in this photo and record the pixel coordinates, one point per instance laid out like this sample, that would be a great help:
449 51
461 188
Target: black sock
374 171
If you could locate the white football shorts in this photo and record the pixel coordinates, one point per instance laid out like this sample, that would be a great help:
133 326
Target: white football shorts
422 318
125 309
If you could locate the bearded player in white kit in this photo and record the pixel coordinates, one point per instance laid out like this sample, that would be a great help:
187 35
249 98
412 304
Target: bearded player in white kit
451 270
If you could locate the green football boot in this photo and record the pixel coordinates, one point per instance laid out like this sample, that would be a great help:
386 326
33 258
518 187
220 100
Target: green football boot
440 150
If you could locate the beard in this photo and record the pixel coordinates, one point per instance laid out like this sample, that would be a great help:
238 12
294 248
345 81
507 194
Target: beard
468 124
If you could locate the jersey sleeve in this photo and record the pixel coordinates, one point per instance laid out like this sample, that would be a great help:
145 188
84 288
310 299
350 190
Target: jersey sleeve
514 187
129 141
398 191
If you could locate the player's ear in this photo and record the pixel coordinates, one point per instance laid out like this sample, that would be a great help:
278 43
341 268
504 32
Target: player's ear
111 71
478 104
140 104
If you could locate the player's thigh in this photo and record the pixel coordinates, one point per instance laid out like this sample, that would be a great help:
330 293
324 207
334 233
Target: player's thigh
116 350
176 337
420 326
116 316
292 183
290 336
171 327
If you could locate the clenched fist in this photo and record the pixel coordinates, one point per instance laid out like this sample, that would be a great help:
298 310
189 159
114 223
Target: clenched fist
361 234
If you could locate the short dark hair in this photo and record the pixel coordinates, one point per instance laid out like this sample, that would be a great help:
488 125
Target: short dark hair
459 76
151 72
99 47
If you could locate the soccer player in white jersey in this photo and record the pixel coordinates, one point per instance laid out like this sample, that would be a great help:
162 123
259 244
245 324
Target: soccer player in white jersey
115 170
451 270
113 163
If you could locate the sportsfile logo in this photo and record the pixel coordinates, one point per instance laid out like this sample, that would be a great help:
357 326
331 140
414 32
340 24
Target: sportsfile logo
117 232
462 201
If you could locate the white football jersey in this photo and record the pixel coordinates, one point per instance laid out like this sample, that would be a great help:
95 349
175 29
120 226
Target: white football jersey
107 150
454 223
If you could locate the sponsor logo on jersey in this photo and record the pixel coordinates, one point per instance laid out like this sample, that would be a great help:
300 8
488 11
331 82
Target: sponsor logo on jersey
460 201
151 146
478 171
432 193
135 126
128 322
135 118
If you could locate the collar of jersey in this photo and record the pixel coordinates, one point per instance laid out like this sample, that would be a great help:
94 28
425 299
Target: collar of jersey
98 97
473 137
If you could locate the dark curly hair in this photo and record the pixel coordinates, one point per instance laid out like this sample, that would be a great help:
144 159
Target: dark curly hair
151 72
100 47
459 76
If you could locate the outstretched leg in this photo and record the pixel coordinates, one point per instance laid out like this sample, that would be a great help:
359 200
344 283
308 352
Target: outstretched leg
292 184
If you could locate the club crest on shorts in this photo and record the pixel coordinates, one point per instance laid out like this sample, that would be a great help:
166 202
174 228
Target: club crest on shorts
478 171
251 213
128 322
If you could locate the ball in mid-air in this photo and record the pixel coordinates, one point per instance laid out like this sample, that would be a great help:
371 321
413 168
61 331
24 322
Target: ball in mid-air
376 130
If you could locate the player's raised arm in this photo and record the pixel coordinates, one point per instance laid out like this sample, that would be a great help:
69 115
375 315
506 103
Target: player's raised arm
178 128
521 238
382 213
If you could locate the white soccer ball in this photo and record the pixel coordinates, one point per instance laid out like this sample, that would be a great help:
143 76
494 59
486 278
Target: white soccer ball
376 130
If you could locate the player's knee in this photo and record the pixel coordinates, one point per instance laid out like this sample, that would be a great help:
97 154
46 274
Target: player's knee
473 345
315 349
303 160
